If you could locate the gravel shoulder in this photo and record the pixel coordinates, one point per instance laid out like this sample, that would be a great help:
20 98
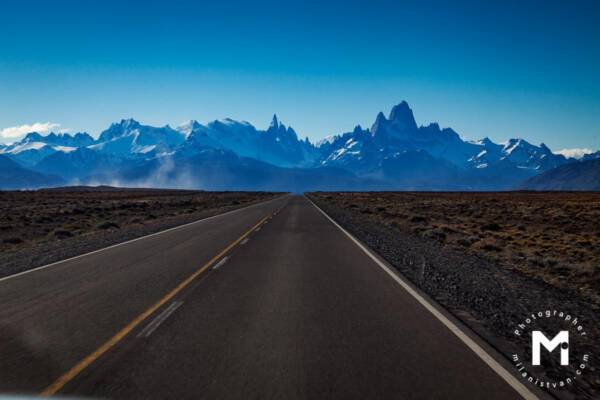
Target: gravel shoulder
483 294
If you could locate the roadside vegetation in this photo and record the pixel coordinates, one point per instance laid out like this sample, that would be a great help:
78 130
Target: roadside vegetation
491 258
553 236
38 227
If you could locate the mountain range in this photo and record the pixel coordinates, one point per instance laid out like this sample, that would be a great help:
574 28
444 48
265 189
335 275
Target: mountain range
393 154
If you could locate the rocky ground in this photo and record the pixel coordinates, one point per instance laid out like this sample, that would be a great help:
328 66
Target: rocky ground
44 226
491 259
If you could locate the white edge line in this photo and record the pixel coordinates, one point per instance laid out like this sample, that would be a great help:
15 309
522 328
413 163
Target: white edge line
488 359
135 240
162 317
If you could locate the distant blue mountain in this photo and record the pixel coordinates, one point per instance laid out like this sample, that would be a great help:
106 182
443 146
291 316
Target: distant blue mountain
79 165
14 176
591 156
218 169
583 175
393 154
442 158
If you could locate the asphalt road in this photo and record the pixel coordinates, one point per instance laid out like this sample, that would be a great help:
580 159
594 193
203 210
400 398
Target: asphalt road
271 301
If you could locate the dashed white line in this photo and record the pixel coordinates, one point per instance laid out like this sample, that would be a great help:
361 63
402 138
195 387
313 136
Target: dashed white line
244 241
136 239
152 326
220 263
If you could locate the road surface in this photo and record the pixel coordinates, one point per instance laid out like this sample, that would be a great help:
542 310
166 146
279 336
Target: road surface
270 301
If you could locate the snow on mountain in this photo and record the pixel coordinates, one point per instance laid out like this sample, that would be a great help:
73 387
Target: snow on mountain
355 151
129 138
34 147
365 152
278 145
400 133
28 154
188 127
395 153
519 152
394 135
60 139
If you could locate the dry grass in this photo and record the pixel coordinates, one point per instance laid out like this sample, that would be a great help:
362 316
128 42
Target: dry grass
552 236
30 218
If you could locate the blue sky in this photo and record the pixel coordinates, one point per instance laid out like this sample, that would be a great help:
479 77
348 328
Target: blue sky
497 69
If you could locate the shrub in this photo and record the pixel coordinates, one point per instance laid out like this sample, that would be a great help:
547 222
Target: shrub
13 240
436 234
62 233
108 225
467 242
418 218
491 227
490 247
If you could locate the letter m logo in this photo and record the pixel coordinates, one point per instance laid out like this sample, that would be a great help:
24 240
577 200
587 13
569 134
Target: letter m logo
538 339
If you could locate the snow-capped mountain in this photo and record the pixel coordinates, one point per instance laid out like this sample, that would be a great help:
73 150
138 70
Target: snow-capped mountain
518 151
129 138
364 150
278 145
34 147
79 139
394 153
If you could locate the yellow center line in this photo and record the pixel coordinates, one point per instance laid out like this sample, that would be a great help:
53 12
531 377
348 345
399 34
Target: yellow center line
87 361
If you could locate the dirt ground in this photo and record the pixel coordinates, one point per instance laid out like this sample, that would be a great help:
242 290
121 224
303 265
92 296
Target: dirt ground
38 227
554 236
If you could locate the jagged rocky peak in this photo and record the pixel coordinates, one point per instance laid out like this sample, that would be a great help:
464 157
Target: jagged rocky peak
274 122
486 141
434 126
129 123
401 121
379 123
60 139
451 133
545 148
278 129
357 130
189 127
276 126
403 115
32 137
125 126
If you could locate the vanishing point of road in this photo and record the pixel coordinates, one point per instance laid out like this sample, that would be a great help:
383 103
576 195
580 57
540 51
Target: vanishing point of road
269 301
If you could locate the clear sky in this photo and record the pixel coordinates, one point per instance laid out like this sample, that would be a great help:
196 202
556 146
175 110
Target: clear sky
499 69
